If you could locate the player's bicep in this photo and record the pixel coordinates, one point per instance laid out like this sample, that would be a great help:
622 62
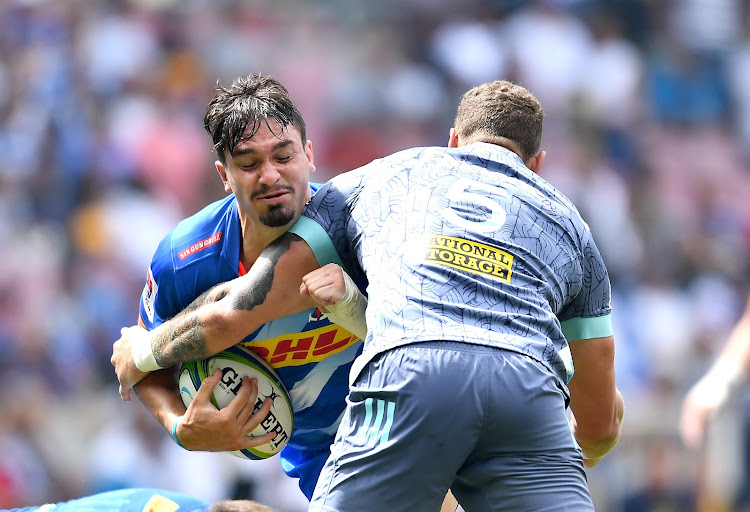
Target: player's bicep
593 392
292 259
270 290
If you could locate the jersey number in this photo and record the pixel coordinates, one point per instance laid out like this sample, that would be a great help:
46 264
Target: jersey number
475 194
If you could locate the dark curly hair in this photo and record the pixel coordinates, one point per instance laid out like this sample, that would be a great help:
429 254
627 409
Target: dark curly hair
248 102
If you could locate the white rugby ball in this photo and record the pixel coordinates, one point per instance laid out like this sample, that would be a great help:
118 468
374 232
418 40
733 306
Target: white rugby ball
235 363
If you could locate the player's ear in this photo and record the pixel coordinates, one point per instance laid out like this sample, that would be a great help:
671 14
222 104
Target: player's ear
453 138
535 163
310 156
222 170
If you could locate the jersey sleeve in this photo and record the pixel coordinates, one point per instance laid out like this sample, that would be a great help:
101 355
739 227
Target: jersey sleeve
159 299
588 314
318 240
330 208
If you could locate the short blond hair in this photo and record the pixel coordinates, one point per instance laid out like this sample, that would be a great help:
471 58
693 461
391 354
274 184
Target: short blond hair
239 506
501 110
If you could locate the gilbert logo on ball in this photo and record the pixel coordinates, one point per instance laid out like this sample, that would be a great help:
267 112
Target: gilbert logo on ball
235 363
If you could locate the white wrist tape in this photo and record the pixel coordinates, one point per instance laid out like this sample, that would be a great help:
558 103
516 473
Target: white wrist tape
349 311
143 356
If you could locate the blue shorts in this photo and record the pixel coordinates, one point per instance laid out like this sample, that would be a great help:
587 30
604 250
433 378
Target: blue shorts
489 424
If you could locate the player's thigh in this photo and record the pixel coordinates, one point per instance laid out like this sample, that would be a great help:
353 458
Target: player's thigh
527 458
529 483
413 417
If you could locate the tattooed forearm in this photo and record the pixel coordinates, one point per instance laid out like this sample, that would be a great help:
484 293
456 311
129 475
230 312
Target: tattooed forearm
186 338
180 339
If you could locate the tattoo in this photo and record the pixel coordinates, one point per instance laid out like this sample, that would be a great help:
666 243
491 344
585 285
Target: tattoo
183 337
179 341
253 294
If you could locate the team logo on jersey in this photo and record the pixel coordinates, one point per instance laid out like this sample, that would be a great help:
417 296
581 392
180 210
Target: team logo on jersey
199 246
317 315
148 297
470 256
304 347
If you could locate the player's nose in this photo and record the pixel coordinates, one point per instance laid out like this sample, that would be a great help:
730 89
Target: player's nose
269 174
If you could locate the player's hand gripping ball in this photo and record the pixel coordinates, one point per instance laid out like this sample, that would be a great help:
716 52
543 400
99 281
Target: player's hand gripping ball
235 363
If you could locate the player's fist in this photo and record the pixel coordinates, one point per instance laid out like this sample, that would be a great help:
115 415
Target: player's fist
325 285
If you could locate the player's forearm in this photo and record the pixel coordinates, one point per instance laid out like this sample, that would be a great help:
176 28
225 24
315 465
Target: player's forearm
733 364
595 402
158 393
197 334
738 345
597 438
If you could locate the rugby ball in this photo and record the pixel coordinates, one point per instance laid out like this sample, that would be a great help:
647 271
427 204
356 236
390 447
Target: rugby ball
235 363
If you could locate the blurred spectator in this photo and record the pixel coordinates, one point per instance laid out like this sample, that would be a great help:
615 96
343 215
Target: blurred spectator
101 106
550 50
470 52
684 87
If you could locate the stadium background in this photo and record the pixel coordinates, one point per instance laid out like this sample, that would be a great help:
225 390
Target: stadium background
101 107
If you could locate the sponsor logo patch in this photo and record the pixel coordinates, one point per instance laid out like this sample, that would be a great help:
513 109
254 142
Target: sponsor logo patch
148 297
199 246
304 347
470 256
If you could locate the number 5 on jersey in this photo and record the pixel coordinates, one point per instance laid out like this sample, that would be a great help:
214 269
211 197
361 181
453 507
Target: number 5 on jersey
466 197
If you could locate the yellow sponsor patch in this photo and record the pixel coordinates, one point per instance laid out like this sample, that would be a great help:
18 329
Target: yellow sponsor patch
470 256
303 347
160 504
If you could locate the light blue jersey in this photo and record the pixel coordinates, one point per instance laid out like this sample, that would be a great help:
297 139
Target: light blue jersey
127 500
311 355
468 245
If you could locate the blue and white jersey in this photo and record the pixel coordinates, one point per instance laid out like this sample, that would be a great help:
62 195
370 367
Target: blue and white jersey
127 500
311 355
466 244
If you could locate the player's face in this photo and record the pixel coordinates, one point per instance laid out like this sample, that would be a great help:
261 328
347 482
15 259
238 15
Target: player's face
269 174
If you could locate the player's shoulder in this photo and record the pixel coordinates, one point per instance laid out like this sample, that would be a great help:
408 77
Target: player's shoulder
215 214
379 170
560 209
198 236
410 155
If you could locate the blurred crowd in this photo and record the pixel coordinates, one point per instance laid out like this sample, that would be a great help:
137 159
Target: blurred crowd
103 151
